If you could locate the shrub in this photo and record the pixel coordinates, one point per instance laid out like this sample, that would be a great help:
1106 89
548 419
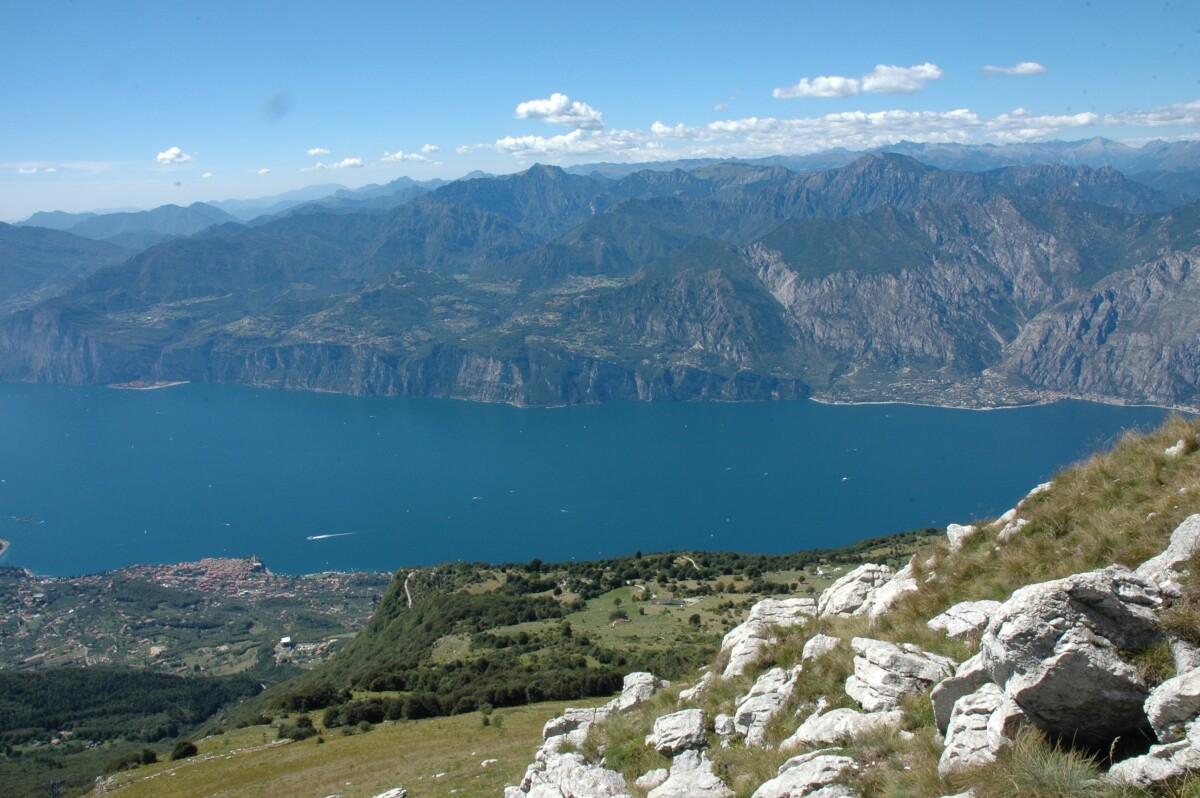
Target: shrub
184 749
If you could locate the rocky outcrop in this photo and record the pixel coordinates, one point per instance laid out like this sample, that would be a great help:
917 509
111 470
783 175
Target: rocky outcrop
981 724
636 688
571 727
557 775
678 732
884 673
691 776
848 595
1167 567
968 677
965 619
568 776
1163 763
1122 335
869 590
818 646
694 692
839 725
956 534
651 779
1174 703
883 599
1055 648
765 700
743 644
806 775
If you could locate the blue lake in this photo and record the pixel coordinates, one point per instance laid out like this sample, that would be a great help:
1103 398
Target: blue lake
109 478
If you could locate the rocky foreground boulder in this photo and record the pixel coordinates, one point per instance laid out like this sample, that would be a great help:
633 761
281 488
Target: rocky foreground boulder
554 774
1056 655
884 673
1056 649
745 643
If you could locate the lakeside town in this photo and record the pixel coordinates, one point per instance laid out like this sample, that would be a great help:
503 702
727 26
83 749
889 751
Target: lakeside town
212 616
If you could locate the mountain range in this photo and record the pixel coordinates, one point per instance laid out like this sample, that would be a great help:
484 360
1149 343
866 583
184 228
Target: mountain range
882 278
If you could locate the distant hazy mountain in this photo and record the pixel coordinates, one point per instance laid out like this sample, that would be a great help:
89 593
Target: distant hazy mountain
1178 156
373 198
36 263
166 220
277 203
885 278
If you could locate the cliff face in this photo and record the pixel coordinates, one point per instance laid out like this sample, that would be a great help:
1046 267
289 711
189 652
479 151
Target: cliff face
540 378
1134 335
885 279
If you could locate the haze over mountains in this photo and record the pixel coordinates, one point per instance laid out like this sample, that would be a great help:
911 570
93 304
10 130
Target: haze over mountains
938 273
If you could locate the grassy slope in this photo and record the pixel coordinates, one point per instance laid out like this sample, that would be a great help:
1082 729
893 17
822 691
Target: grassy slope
406 754
1119 507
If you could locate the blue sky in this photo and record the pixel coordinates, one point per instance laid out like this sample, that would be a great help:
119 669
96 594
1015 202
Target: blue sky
129 104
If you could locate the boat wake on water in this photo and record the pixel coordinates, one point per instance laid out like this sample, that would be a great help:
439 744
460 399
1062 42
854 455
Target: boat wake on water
330 535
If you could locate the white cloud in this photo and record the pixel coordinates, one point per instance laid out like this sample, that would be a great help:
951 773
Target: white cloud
575 143
558 109
1023 68
1020 125
751 137
51 169
1162 116
314 151
401 155
886 79
823 86
173 155
30 171
429 149
207 174
883 79
264 171
345 163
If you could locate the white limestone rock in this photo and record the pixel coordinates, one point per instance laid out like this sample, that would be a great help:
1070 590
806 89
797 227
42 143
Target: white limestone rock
694 692
1010 529
1166 567
745 642
651 779
691 776
884 673
804 775
818 646
957 534
968 677
1173 704
724 725
572 777
981 725
1177 449
678 732
395 792
839 725
965 619
764 701
848 595
1042 488
571 727
1161 763
886 596
1054 648
1187 656
636 688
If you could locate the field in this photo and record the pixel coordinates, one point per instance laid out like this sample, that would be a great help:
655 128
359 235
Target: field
434 757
